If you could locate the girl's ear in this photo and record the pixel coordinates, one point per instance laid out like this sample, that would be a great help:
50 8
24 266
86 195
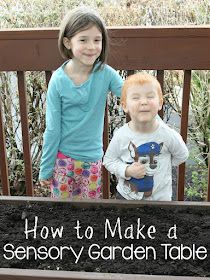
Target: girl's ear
67 43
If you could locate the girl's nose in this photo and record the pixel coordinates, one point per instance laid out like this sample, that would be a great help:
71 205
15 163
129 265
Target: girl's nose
91 45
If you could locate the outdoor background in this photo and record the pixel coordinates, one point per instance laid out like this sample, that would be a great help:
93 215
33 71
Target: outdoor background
49 13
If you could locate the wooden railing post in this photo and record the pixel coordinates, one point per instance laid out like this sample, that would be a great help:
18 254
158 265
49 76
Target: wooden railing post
25 132
160 78
183 131
208 182
3 156
129 72
105 172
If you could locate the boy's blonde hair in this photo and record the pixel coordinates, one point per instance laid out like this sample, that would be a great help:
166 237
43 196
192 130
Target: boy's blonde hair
140 79
80 19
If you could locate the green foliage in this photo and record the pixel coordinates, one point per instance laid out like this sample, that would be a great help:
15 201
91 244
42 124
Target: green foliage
47 13
198 186
200 108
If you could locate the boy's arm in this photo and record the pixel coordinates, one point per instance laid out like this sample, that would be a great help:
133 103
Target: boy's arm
179 150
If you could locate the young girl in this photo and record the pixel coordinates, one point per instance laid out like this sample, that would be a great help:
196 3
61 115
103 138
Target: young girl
76 98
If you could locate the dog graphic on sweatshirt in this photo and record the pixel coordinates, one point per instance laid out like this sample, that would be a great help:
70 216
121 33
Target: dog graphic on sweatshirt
147 154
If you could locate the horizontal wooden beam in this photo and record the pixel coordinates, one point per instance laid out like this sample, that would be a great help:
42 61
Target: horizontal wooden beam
162 48
86 203
30 274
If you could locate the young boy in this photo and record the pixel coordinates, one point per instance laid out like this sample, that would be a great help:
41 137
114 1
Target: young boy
142 152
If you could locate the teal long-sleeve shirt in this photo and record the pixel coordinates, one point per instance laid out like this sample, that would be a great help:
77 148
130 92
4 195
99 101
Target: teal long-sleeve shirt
75 117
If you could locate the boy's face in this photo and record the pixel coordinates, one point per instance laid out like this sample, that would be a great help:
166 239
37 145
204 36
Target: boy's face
142 102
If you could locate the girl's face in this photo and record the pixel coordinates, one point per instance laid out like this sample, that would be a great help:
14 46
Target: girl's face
142 102
85 45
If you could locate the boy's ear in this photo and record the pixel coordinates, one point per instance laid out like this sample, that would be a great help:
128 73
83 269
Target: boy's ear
67 43
160 104
123 104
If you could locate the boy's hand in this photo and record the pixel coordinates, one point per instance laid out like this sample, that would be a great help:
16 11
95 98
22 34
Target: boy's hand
136 170
47 182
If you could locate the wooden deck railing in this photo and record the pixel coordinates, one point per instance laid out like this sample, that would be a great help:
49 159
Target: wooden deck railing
132 48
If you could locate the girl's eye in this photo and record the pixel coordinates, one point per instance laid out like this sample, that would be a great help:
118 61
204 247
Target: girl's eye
150 96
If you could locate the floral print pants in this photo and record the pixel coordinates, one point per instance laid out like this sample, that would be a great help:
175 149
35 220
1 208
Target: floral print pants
76 179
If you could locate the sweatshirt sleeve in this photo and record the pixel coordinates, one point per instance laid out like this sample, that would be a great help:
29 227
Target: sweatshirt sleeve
178 149
52 132
112 159
116 82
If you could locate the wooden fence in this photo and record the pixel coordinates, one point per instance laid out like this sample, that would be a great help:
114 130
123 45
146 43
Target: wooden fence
132 48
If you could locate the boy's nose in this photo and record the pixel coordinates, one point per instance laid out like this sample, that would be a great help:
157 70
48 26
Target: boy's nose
143 101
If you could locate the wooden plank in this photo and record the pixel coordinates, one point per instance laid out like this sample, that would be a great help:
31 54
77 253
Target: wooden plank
183 130
86 203
155 48
114 31
3 156
25 133
29 33
31 274
34 55
105 173
208 182
185 104
48 75
160 78
151 53
159 31
129 72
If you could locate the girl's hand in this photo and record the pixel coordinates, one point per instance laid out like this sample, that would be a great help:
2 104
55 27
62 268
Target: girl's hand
136 170
47 182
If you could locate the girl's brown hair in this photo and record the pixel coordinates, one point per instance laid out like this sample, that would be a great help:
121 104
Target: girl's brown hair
80 19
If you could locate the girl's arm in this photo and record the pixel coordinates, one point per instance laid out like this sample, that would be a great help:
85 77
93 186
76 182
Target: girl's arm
116 82
44 183
51 136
